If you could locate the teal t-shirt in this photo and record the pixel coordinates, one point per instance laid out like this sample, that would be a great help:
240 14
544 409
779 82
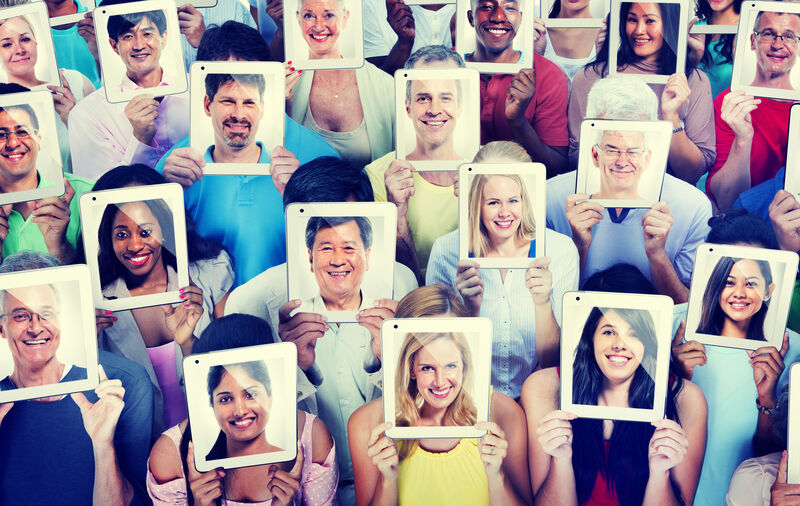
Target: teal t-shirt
718 72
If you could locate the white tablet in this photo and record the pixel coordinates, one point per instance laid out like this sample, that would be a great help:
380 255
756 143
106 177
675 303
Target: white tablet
514 30
323 34
26 46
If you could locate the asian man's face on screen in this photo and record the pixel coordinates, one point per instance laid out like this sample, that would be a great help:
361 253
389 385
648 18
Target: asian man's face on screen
339 260
621 158
496 23
235 114
140 47
434 110
19 145
30 324
775 56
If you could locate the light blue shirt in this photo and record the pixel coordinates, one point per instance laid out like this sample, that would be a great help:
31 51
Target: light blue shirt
623 242
245 213
73 53
225 10
266 24
509 304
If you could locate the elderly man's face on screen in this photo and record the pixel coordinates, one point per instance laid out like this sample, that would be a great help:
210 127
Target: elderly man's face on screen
434 107
140 46
775 42
235 113
621 157
19 144
496 23
338 260
30 324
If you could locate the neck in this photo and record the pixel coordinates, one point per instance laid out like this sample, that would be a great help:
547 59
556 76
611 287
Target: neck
777 81
508 247
27 375
28 80
724 17
615 394
150 283
444 178
507 55
252 447
28 181
149 79
443 151
347 303
431 416
574 14
222 153
62 8
735 329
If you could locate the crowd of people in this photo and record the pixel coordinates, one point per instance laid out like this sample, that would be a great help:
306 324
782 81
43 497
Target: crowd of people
722 156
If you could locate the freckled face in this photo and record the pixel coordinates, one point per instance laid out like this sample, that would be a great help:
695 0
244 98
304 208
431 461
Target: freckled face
438 369
241 405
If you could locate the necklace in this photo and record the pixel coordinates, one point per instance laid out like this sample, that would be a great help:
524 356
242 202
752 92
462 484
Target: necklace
341 88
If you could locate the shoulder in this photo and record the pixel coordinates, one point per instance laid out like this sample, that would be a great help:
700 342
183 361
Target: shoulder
124 369
541 388
165 460
561 186
374 75
583 81
504 409
305 143
446 246
245 298
690 399
323 442
698 78
365 418
404 281
206 264
558 245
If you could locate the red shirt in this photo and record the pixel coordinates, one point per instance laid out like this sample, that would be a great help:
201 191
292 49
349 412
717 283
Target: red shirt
547 111
770 138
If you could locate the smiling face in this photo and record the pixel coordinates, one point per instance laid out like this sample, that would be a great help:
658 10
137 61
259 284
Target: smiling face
241 405
235 114
434 110
338 260
19 151
569 7
621 158
775 58
140 48
645 30
496 23
321 24
18 51
617 349
136 236
501 208
30 324
719 5
438 369
745 291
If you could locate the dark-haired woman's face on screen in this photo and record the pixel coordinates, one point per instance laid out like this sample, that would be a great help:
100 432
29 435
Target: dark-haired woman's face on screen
241 405
645 30
719 5
137 236
617 349
501 207
745 291
438 369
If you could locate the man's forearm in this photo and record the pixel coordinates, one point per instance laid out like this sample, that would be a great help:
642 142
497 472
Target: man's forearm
110 486
406 252
666 279
553 158
397 57
734 176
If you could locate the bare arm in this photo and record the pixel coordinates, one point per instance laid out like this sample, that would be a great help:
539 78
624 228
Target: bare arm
374 455
685 157
539 280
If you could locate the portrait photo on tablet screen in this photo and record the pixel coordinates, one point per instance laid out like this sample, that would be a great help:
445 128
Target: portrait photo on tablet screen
622 163
614 339
740 296
643 31
340 256
30 167
766 50
133 235
139 46
27 56
242 405
501 214
438 117
495 37
47 333
436 365
564 14
323 34
67 13
237 113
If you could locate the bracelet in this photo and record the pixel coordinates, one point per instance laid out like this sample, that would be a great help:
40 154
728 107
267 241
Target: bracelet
763 409
679 127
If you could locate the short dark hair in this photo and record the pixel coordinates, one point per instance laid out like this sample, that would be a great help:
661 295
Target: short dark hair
216 81
23 107
120 24
620 278
232 39
328 179
740 225
317 223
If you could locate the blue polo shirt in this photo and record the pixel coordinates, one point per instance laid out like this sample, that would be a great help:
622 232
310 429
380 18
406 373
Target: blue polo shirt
245 213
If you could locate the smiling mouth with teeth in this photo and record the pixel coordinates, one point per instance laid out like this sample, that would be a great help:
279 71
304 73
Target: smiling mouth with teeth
739 306
139 260
504 224
243 423
338 274
441 393
36 342
320 38
618 360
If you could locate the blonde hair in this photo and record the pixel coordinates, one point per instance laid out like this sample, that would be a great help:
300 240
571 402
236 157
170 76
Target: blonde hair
479 243
502 149
11 3
409 401
431 300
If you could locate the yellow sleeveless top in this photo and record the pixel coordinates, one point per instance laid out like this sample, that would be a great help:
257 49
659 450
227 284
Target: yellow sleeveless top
456 477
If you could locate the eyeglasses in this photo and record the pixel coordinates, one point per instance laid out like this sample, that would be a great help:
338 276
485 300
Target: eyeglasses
21 133
632 154
23 316
788 38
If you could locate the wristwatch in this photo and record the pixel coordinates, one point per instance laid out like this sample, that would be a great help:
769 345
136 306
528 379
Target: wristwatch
763 409
679 127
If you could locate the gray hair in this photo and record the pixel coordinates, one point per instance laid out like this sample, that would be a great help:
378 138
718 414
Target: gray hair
26 261
342 4
429 54
758 17
622 97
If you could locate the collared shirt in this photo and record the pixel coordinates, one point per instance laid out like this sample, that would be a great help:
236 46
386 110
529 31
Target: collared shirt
509 304
25 234
430 28
343 384
245 213
101 136
316 304
225 10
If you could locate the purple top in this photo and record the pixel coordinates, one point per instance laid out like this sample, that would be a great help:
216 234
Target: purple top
163 360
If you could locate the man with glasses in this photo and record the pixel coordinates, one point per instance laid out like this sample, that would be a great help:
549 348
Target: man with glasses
774 40
622 158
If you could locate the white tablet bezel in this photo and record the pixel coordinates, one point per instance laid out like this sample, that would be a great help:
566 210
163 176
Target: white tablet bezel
44 37
70 273
275 97
793 434
295 234
69 19
92 206
528 171
705 253
571 22
470 113
575 303
791 179
482 355
106 54
291 31
614 41
196 392
589 127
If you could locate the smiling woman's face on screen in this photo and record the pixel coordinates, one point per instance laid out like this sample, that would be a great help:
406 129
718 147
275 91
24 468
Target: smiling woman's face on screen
241 405
137 238
18 47
321 25
745 291
645 30
617 349
439 372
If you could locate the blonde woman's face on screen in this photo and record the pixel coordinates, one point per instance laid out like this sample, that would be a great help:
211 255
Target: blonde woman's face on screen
501 207
321 24
745 291
241 405
617 349
18 49
438 369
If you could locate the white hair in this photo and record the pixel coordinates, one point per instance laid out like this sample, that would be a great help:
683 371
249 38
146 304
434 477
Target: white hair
622 97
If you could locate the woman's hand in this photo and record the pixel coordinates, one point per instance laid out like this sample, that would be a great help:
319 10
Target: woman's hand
206 487
768 365
601 37
687 355
292 78
470 285
383 451
372 318
539 280
539 36
675 94
555 434
697 44
63 99
284 486
492 446
103 319
181 320
100 419
668 446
